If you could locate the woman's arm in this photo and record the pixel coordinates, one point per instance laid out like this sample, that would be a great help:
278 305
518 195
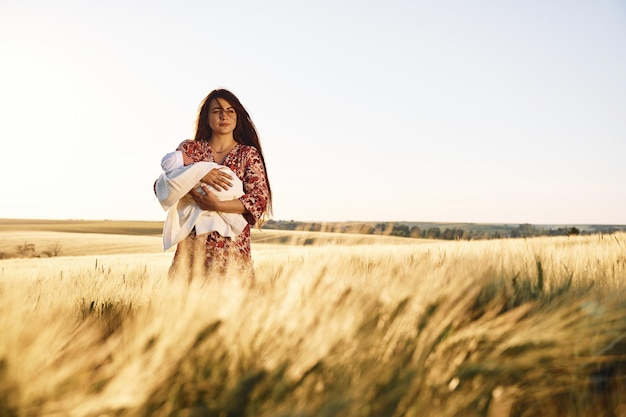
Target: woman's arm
255 187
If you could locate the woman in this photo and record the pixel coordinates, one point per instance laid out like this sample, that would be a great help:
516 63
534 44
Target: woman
225 135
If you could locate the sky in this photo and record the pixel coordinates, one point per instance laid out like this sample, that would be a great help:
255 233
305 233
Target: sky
397 110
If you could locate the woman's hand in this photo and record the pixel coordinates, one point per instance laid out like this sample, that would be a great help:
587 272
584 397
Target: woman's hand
207 201
217 179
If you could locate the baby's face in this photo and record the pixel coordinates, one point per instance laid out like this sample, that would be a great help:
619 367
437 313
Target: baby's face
187 159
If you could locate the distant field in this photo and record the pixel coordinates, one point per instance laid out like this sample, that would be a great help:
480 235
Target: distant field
78 238
122 227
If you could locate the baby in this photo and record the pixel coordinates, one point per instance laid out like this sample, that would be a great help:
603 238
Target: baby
180 175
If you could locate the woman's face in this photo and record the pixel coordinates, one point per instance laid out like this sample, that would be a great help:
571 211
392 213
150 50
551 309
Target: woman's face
222 116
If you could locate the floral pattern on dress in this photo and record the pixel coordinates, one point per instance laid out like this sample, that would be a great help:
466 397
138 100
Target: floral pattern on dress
222 253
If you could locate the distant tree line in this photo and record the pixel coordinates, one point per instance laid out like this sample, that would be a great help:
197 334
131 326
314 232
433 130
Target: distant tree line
467 232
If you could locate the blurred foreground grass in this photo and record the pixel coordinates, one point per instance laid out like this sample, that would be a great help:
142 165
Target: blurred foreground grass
530 327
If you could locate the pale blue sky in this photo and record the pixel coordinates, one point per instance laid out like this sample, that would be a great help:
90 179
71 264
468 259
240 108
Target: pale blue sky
467 111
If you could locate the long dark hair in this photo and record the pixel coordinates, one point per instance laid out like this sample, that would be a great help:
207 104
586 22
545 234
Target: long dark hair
244 133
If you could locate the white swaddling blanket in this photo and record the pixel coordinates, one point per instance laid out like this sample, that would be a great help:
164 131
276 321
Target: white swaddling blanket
183 213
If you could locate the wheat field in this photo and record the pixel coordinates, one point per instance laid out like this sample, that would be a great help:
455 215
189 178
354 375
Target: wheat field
332 326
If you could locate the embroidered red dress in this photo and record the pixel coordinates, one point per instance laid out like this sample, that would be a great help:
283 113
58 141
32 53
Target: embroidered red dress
214 253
